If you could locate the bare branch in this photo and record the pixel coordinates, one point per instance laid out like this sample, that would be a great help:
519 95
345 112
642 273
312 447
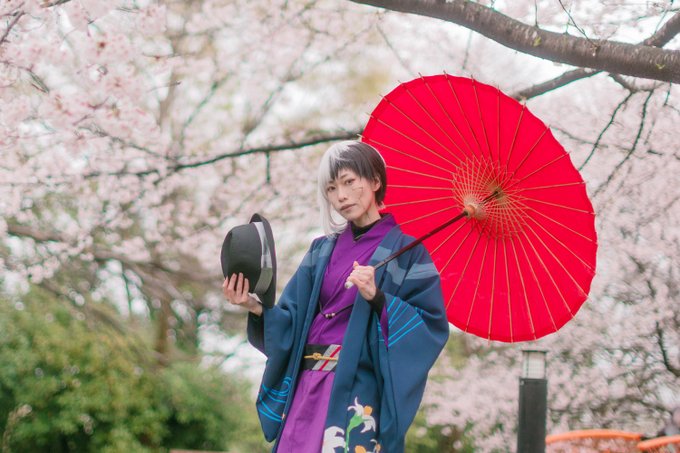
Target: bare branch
560 81
214 87
664 353
664 34
402 61
660 38
10 26
101 254
602 132
349 135
637 60
643 117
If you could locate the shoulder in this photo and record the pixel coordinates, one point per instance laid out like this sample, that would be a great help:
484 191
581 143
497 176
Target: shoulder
321 241
419 253
415 264
319 248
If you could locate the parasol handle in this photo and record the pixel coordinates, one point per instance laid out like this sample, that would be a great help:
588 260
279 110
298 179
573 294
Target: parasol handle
466 212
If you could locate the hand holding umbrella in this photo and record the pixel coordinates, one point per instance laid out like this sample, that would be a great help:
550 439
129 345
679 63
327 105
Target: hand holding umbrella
363 277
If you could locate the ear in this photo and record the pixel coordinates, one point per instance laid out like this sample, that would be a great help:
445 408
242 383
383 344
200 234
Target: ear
375 185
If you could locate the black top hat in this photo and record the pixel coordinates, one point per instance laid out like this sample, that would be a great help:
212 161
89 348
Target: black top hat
250 249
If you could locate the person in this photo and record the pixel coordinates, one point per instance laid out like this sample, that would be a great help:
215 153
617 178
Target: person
346 368
672 427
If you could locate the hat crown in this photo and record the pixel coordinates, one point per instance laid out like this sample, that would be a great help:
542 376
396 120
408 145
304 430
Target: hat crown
249 249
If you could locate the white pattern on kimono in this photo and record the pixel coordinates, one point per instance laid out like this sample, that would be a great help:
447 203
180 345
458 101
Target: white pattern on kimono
333 438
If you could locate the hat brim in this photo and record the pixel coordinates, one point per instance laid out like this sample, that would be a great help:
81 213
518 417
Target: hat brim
269 296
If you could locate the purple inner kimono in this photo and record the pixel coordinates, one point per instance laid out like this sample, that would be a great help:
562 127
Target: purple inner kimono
306 418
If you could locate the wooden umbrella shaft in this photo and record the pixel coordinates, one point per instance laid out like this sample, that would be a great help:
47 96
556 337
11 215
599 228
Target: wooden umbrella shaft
421 239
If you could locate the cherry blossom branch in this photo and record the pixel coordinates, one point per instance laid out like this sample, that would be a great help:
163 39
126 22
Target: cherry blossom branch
604 130
403 62
103 255
293 75
267 150
573 22
664 353
552 84
660 38
14 21
616 169
666 33
637 60
214 87
348 135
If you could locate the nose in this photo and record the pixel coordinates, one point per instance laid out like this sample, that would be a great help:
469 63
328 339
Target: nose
343 193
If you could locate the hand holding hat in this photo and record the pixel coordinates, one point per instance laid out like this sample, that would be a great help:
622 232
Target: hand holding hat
249 258
236 289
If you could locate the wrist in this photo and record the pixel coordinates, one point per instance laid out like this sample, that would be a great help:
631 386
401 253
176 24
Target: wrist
254 306
377 302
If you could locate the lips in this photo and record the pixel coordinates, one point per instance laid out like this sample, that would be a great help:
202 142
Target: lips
346 207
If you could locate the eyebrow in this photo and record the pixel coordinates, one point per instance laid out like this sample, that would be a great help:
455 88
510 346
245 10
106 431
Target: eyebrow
344 174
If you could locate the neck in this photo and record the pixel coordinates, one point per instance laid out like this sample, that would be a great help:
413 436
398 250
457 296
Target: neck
371 216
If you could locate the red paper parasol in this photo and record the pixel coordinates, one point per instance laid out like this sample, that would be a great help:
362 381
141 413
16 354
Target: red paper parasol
519 264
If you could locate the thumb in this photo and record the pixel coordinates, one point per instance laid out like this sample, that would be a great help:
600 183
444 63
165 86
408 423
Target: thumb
355 264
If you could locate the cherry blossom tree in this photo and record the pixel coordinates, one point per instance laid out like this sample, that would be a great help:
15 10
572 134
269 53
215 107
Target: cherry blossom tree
616 364
135 134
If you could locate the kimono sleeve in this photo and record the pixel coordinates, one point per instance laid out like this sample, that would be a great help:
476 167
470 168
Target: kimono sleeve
274 332
417 330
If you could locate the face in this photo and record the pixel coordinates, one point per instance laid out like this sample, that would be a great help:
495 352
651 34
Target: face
353 197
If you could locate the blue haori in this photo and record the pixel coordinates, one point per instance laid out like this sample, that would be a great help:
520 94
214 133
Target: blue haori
305 418
379 379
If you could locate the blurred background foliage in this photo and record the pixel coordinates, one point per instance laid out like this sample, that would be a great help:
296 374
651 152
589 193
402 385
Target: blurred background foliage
71 382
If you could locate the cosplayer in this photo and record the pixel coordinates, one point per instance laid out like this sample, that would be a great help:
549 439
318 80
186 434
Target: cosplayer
346 368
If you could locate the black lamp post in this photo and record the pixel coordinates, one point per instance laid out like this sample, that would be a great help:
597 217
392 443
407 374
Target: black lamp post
533 403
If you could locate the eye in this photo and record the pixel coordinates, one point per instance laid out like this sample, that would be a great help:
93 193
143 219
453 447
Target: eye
349 181
330 189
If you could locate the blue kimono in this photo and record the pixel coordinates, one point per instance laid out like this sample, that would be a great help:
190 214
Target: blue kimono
378 384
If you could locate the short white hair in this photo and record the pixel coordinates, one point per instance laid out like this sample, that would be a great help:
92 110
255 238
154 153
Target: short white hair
362 159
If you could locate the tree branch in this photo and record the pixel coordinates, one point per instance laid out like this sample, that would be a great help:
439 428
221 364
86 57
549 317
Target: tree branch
14 21
602 132
636 60
349 135
643 117
101 254
664 34
564 79
659 39
664 353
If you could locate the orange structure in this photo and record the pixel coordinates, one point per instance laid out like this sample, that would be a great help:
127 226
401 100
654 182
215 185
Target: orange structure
668 444
593 441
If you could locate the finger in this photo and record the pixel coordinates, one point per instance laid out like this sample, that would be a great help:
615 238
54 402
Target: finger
239 285
355 264
246 287
353 280
228 288
232 282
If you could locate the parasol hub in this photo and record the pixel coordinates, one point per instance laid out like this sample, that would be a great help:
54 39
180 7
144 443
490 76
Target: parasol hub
474 210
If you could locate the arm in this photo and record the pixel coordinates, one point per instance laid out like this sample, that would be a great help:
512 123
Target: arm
273 330
417 330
